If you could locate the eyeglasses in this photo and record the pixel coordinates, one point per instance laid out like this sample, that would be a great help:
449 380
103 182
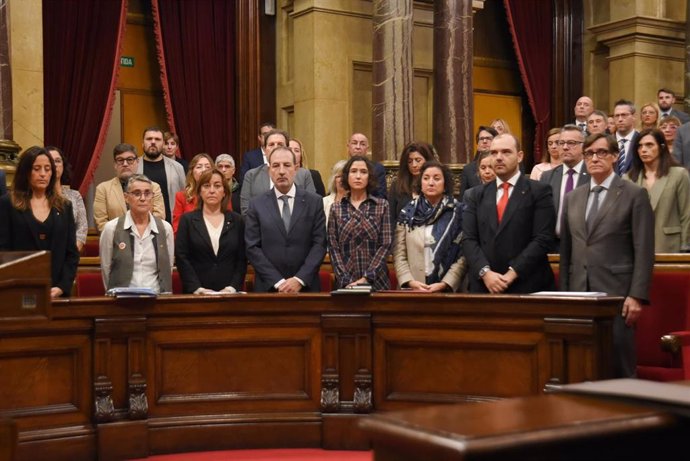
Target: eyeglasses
147 194
485 138
128 160
570 143
600 153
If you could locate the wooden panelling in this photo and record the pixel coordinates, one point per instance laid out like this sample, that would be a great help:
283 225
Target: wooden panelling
115 378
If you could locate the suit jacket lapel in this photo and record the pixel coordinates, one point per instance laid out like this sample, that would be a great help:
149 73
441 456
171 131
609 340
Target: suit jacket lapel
199 226
275 211
583 177
118 194
488 205
657 190
556 180
298 208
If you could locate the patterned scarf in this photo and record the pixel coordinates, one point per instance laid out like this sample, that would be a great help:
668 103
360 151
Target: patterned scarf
446 219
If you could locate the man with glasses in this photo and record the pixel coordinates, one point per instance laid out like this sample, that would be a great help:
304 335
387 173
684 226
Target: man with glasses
137 249
109 202
624 118
570 174
607 244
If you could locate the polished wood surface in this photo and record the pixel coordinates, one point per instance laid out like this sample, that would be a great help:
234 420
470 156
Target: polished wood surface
8 439
565 427
111 378
25 284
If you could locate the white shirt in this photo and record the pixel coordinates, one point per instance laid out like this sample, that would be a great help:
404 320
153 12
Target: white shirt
214 234
499 189
145 267
576 176
606 184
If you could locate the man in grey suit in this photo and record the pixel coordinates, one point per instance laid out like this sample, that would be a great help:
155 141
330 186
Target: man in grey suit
285 231
257 180
681 145
607 244
570 174
667 98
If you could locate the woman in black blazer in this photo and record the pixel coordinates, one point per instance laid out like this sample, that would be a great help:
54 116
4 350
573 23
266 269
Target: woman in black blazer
209 246
34 217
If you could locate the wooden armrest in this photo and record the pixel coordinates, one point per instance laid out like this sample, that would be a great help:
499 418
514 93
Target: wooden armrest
675 341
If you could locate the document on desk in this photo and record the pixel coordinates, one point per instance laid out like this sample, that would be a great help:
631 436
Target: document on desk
577 294
676 395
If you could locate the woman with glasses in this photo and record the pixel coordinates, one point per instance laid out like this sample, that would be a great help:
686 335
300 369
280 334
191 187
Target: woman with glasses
63 171
669 127
654 168
185 200
404 187
36 217
551 157
649 116
209 245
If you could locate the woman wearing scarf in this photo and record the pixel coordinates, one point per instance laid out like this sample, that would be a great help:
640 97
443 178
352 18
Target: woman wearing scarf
428 254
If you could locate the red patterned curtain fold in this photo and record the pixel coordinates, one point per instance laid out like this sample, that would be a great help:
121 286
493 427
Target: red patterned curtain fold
196 51
530 24
81 54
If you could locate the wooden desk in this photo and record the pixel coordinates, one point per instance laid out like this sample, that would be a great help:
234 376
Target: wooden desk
547 427
112 379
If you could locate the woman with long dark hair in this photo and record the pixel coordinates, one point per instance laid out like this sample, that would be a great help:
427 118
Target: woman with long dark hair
403 188
35 217
654 168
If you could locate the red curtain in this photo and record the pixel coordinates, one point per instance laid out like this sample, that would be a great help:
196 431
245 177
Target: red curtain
530 24
81 54
196 51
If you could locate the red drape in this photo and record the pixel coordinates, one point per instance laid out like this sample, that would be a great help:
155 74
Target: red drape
530 24
81 54
196 51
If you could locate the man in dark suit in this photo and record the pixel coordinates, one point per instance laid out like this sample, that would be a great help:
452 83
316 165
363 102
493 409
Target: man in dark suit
582 110
285 231
681 145
508 226
570 174
256 157
3 183
469 177
667 98
607 244
624 117
358 144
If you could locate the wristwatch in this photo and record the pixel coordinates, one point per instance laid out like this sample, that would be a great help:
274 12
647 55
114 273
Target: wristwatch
483 271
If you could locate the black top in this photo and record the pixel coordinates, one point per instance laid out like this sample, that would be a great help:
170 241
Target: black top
155 171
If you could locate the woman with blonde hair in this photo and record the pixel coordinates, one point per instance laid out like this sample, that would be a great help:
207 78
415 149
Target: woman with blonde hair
500 125
296 147
185 200
335 188
649 116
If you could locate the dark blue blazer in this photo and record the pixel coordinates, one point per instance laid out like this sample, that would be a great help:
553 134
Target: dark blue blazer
277 254
196 262
521 241
16 234
380 173
251 159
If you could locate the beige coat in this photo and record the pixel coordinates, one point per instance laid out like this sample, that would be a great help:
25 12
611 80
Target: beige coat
408 257
109 202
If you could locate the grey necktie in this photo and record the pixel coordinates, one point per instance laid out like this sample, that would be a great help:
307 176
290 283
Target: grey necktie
594 208
286 211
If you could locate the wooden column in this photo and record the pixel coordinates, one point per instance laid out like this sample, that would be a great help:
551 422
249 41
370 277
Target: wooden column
453 99
392 77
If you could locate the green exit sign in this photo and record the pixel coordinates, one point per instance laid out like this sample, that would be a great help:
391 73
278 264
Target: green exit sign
127 61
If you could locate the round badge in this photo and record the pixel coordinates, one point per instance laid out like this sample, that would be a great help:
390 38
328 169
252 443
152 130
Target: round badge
122 245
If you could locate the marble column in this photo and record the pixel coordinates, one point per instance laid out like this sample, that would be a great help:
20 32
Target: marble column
8 148
392 78
453 99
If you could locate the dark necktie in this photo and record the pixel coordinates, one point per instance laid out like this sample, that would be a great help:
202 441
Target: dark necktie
583 127
286 211
621 156
594 208
501 206
569 182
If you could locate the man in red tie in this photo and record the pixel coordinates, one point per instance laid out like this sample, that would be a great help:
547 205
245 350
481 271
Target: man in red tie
508 227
